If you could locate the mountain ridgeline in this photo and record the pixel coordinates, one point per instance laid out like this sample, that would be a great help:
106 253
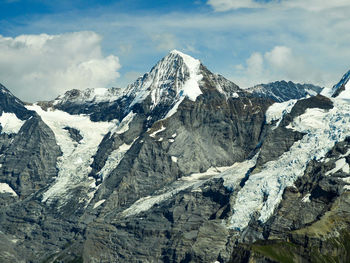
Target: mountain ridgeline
180 166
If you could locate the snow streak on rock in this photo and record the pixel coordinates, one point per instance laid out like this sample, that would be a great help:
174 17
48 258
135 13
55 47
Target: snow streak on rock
114 159
232 176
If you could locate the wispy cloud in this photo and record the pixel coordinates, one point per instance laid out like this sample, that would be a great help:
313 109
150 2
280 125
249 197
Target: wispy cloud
43 66
314 5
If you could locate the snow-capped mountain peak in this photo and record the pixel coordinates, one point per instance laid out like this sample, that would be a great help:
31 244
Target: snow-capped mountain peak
173 78
159 92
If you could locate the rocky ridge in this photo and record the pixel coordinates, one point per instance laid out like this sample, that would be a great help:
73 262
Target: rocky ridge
181 166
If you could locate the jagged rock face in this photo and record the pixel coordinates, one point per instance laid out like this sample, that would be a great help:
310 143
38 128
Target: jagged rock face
9 103
341 85
29 161
280 91
186 228
181 166
28 148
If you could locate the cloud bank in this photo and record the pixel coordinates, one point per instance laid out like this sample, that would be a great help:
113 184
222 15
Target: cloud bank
44 66
276 64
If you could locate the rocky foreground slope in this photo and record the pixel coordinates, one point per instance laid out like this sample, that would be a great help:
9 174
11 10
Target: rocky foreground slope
180 166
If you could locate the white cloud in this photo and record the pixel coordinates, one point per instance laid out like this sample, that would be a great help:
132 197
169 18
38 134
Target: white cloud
255 64
165 41
312 5
43 66
280 63
279 56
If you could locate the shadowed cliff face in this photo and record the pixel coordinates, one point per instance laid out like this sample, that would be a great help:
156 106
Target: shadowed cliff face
181 166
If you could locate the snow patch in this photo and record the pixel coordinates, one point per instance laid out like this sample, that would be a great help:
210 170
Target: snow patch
10 123
345 94
173 110
174 159
153 134
91 95
190 88
74 164
97 204
5 188
306 198
346 180
339 164
311 92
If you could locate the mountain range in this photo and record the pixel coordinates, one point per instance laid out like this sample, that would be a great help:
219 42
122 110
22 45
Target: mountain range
180 166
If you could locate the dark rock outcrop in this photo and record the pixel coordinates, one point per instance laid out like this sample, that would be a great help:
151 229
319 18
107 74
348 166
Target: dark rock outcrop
280 91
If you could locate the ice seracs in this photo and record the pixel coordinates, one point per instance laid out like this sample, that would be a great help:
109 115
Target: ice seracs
263 190
74 164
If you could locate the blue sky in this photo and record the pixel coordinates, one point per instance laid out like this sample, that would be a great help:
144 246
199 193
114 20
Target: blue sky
47 47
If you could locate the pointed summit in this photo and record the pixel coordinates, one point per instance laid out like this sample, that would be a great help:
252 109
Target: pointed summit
173 78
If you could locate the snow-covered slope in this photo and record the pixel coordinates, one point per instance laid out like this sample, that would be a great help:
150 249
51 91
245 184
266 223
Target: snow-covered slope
341 89
10 123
